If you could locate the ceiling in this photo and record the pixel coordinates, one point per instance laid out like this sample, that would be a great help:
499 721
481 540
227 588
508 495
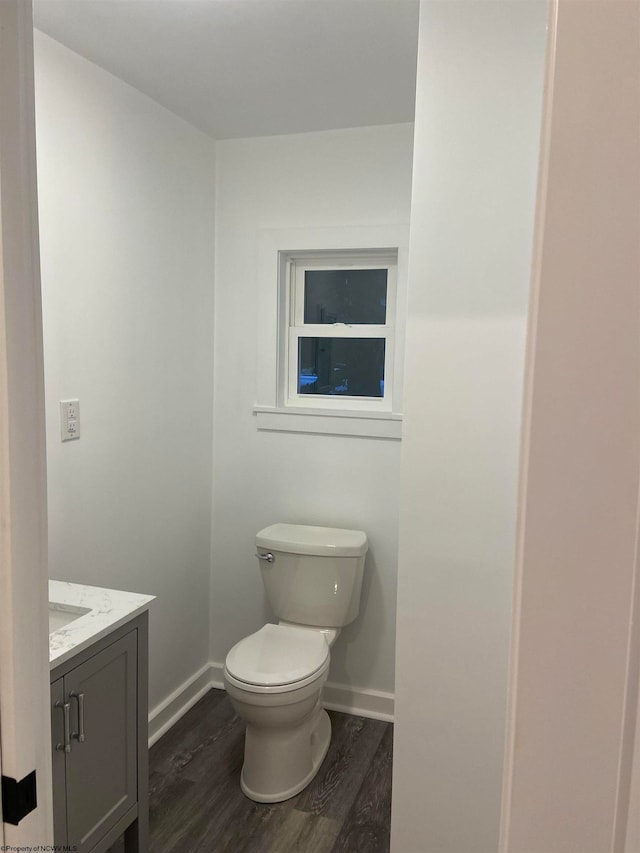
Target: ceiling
237 68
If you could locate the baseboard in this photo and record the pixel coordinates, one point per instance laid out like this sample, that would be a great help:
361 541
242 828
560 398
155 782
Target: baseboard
350 700
360 701
217 675
176 705
373 704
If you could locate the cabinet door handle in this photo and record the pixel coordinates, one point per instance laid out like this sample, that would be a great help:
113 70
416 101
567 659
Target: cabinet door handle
66 746
79 735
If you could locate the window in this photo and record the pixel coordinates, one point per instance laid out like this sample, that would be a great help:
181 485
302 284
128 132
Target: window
330 334
340 339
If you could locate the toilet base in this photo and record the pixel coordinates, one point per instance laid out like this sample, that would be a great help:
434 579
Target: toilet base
320 737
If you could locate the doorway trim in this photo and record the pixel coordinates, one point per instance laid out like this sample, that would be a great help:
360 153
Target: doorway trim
25 741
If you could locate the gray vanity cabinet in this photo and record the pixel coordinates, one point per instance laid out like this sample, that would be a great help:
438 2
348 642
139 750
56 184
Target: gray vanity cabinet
100 744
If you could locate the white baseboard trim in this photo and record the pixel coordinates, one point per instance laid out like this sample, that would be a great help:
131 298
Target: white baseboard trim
350 700
217 675
176 705
360 701
373 704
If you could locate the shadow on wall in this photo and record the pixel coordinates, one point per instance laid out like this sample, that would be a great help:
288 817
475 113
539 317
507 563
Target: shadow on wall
371 589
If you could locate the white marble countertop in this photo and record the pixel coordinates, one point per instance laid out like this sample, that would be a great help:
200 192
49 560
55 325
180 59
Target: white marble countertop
108 609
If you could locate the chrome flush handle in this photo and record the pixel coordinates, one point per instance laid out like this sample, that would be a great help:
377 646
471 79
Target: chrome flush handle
269 558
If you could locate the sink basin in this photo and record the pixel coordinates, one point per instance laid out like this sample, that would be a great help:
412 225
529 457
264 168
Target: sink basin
62 614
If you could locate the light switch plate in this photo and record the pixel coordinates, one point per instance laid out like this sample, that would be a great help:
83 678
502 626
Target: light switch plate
69 419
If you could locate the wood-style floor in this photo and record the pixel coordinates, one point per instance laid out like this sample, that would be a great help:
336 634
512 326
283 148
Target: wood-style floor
196 803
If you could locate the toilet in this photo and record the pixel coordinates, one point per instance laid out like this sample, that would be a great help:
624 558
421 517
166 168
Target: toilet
274 677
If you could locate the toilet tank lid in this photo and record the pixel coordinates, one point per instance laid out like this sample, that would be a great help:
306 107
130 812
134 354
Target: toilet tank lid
305 539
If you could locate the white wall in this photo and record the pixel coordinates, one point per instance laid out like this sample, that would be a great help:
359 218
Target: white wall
351 177
126 193
480 80
577 646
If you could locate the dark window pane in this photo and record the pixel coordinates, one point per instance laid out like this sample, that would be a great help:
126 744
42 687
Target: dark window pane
352 367
345 296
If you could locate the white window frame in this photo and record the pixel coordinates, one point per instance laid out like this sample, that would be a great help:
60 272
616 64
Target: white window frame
277 408
297 264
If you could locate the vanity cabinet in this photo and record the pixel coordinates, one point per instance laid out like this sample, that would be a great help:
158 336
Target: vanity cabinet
99 743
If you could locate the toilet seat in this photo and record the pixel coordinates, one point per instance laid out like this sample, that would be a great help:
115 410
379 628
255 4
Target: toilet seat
277 658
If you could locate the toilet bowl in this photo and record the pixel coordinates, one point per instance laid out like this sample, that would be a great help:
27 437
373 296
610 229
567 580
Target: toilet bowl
274 677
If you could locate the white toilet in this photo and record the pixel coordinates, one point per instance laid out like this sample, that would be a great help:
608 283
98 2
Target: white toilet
274 678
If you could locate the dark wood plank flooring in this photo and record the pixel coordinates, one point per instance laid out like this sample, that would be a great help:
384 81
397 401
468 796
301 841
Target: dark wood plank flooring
196 805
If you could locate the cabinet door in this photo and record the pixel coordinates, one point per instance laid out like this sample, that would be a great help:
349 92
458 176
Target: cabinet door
101 768
58 763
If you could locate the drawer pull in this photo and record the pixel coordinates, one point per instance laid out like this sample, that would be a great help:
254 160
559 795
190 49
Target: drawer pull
79 735
66 746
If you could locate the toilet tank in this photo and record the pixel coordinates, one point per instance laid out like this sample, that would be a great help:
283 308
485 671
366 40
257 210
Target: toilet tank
315 577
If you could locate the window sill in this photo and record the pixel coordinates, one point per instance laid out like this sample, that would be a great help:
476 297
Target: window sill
321 422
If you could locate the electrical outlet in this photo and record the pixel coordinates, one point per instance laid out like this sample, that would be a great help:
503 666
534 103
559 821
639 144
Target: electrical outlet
69 419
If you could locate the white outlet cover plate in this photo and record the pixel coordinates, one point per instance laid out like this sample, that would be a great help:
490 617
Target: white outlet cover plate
69 419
